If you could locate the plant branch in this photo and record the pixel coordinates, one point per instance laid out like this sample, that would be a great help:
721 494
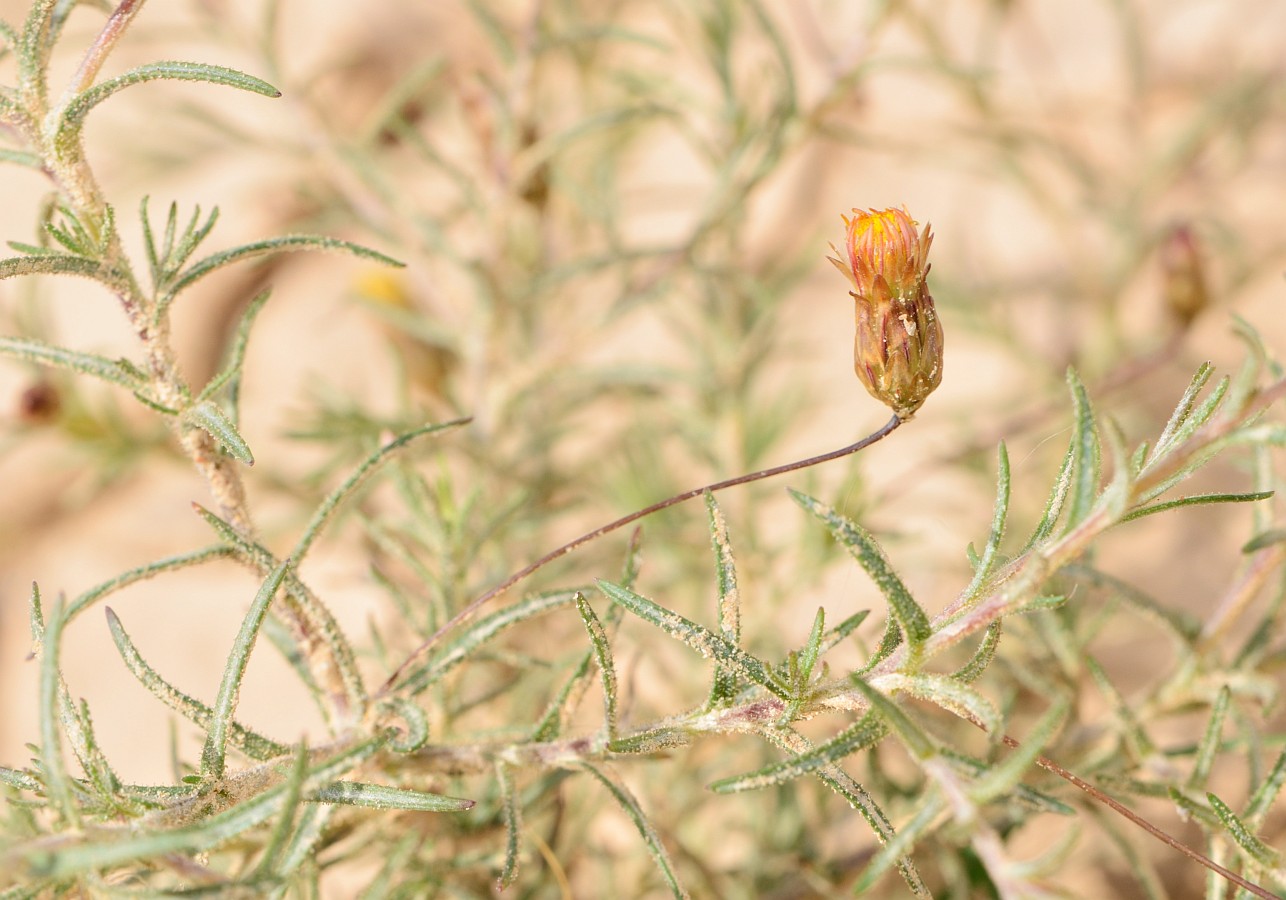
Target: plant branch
464 614
1121 809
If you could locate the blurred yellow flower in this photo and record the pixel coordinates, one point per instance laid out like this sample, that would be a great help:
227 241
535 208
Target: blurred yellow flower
428 366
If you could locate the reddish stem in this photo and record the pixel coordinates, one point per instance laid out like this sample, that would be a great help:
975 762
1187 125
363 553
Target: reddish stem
421 651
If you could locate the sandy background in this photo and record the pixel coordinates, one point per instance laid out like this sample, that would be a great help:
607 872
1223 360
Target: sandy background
1064 73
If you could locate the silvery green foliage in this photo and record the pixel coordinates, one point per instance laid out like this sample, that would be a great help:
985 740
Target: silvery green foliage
261 815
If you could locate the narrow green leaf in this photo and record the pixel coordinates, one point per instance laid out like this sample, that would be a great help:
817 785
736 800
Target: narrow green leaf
1116 495
565 702
1030 797
1005 775
165 259
149 240
1266 793
905 839
369 466
1182 411
178 251
36 616
73 115
724 687
866 732
1182 626
603 656
73 237
142 573
1210 741
1088 453
633 563
268 247
1042 603
231 372
1190 809
1265 539
982 657
58 785
653 740
699 638
653 841
1261 434
395 861
511 812
207 416
281 832
151 404
33 46
559 710
1253 848
912 735
33 351
949 693
31 249
306 611
110 850
812 647
378 796
1246 382
309 831
1000 514
1135 733
54 264
1198 418
79 725
78 729
836 635
1053 857
554 720
910 616
1057 497
1137 459
1195 500
416 733
801 668
890 641
19 779
214 754
496 32
21 158
854 794
482 631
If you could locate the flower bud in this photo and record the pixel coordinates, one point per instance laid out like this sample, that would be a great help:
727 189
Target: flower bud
897 353
1183 275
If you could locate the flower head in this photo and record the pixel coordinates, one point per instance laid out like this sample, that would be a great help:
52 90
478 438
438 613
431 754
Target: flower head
1184 280
897 353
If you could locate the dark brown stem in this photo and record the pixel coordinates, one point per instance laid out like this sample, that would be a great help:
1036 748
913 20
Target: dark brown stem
421 651
1051 766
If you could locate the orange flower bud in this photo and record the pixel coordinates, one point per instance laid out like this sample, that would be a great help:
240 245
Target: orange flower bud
1183 276
897 353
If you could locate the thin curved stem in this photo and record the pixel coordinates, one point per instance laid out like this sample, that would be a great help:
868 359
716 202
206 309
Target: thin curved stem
463 615
1123 810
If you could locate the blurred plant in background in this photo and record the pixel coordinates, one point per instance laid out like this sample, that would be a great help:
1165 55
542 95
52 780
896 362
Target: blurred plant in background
611 219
